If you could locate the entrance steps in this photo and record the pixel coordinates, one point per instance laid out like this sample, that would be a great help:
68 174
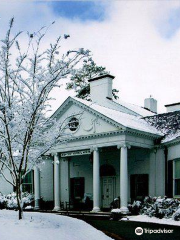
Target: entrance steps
82 214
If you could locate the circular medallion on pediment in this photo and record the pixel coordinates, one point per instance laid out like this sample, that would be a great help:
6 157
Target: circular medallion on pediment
73 124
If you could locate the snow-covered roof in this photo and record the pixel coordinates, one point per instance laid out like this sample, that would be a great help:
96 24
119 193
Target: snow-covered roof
172 137
167 123
126 107
135 108
124 119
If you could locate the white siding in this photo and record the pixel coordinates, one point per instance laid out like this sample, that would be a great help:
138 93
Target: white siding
174 152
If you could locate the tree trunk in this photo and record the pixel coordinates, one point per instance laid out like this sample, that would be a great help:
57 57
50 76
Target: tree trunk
19 199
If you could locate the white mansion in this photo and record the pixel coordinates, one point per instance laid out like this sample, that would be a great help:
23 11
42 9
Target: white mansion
111 149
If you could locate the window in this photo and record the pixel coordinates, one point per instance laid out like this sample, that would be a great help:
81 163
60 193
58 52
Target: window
139 186
73 124
77 188
177 177
27 184
170 179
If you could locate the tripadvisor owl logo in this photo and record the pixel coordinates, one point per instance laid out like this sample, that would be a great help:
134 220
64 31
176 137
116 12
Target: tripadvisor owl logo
138 231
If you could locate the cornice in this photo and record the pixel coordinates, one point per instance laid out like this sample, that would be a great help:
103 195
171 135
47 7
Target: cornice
134 132
96 135
172 142
107 134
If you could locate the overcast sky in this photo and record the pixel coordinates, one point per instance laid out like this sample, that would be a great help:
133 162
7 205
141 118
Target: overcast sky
137 41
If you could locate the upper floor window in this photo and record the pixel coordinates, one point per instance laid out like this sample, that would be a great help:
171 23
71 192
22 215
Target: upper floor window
177 177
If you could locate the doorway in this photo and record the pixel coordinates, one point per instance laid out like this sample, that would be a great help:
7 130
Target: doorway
108 184
108 191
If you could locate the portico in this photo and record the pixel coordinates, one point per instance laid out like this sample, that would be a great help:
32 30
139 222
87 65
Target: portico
78 165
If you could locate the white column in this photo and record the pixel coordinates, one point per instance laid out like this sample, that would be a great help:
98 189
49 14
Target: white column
36 187
56 184
124 180
152 172
65 181
160 173
96 181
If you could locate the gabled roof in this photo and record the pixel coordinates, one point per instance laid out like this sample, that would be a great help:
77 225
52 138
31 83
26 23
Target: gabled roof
128 121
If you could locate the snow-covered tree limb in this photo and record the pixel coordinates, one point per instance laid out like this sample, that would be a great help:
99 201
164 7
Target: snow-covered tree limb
26 79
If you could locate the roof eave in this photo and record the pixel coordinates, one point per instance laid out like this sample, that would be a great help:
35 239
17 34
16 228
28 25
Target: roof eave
100 77
153 135
172 142
66 101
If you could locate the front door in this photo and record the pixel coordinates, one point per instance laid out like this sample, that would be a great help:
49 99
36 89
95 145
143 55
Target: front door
108 191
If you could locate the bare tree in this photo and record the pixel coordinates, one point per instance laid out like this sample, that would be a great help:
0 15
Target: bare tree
26 79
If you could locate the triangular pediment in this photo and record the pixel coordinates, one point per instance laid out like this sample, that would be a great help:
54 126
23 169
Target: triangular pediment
79 120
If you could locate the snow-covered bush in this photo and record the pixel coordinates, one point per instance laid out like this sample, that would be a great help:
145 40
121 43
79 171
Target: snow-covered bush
2 201
27 199
10 201
157 207
135 207
176 215
115 203
160 207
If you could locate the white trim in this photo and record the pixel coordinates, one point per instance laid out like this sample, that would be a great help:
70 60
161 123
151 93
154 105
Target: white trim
76 153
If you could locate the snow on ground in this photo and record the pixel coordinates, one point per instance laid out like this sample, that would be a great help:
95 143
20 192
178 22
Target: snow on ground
144 218
45 226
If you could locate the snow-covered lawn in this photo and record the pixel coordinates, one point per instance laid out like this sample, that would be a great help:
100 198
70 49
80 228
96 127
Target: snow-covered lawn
45 226
144 218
